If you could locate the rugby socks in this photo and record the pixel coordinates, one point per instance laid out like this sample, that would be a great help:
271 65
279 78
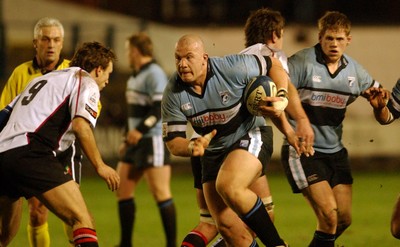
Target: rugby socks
322 239
194 239
39 236
85 237
259 221
168 217
126 210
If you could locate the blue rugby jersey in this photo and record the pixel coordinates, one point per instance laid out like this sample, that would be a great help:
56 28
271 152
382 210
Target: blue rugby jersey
220 106
325 96
143 96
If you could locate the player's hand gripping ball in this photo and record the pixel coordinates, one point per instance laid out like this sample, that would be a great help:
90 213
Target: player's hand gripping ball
258 88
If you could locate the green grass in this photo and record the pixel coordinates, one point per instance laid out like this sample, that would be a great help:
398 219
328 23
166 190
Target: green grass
374 195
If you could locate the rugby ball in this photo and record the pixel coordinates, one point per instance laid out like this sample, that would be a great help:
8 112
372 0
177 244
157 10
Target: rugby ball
258 88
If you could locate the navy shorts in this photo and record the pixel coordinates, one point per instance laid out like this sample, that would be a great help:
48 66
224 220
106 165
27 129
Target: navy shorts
212 161
304 171
29 171
149 152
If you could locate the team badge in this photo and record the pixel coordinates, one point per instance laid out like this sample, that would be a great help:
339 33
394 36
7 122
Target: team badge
225 97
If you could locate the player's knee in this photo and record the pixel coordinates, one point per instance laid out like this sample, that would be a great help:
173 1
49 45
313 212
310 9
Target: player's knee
228 192
81 220
38 216
344 221
330 218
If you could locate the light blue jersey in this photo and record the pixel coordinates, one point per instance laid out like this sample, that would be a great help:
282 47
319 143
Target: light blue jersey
143 95
325 96
220 106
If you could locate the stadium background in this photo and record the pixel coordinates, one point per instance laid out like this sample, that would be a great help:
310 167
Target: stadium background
375 44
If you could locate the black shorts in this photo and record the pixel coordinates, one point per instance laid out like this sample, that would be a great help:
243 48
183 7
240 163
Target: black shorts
304 171
212 161
71 160
149 152
29 171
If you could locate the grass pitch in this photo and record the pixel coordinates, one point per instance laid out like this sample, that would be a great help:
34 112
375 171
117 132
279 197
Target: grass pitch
374 195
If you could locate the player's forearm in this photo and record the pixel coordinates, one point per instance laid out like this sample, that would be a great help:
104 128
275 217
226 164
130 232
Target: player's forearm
283 125
383 115
294 108
85 135
179 147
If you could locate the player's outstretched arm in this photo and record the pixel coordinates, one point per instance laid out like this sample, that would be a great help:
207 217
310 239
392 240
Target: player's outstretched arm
378 98
304 130
84 133
283 125
186 148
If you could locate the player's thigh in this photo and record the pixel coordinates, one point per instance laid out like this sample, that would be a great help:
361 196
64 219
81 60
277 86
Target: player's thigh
239 170
129 178
66 201
320 197
343 194
158 179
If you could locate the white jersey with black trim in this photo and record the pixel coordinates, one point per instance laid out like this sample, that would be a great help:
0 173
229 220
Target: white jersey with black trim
264 50
220 105
46 107
325 96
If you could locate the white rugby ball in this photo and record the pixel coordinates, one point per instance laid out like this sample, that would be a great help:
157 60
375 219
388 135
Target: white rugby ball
258 88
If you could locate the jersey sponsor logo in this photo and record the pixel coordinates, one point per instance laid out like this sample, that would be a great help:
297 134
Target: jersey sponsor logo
325 99
215 118
91 111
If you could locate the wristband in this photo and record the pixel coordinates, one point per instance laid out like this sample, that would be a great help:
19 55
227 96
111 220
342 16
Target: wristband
283 93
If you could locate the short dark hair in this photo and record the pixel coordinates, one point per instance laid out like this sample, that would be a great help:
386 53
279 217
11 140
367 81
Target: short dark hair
261 25
92 55
334 20
142 42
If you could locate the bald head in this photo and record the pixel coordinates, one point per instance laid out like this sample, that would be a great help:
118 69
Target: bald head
191 40
191 59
